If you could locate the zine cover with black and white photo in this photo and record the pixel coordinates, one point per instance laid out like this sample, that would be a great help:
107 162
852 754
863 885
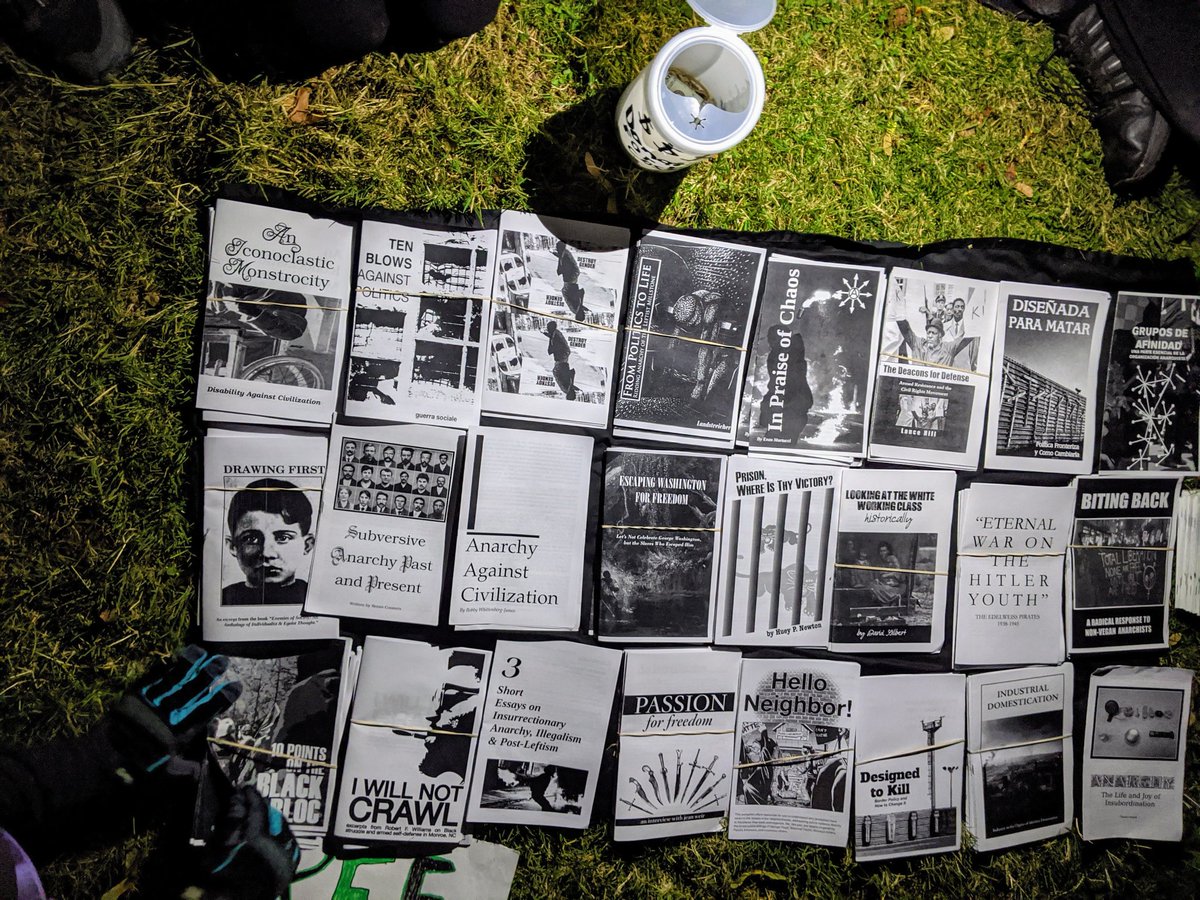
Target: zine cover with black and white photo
1019 760
1119 569
1134 751
420 304
675 760
935 360
552 340
891 561
1008 598
687 330
796 724
775 574
283 732
658 551
388 512
275 313
412 742
1044 374
811 372
262 505
543 732
1152 389
908 774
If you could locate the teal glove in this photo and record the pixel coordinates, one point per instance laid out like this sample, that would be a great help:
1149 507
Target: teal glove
252 855
160 717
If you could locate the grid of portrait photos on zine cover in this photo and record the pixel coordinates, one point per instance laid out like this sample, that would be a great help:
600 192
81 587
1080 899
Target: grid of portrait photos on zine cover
673 452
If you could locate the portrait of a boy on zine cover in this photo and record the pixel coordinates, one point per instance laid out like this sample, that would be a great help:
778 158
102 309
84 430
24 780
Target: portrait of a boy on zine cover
269 539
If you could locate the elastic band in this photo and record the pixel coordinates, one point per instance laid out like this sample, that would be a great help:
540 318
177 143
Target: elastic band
420 730
1061 737
276 303
659 528
889 569
550 315
1117 547
927 749
684 337
221 742
793 759
671 733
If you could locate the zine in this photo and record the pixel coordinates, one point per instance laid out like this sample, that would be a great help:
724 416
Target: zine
262 504
388 502
411 743
1043 404
274 313
811 373
687 328
658 551
935 361
523 533
775 571
552 336
421 300
891 560
542 735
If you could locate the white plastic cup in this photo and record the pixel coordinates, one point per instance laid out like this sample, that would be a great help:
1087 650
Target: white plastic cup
700 95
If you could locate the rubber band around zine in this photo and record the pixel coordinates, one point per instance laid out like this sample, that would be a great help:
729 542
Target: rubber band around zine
250 748
889 569
927 749
788 760
419 730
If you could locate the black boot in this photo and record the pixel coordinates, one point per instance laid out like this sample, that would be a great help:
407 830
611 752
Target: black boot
1133 133
81 40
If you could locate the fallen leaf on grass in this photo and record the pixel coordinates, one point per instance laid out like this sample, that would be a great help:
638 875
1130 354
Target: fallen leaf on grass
945 33
889 141
757 873
1010 173
296 106
590 164
1024 189
118 890
898 19
106 615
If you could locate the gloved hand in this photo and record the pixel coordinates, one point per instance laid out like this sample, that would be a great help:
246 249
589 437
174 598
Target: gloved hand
160 716
251 856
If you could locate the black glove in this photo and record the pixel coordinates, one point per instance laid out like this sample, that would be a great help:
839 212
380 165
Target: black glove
156 720
252 855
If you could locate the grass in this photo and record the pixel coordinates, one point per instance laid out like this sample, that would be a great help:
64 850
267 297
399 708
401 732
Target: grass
941 121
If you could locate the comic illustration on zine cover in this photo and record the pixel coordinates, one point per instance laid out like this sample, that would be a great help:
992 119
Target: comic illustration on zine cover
553 338
420 305
687 329
811 372
1152 391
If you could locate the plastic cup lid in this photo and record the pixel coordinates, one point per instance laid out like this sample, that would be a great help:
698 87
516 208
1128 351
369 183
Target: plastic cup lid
736 15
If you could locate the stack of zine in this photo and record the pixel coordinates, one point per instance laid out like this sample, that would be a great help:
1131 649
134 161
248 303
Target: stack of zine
475 433
691 307
935 360
283 734
812 374
556 305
